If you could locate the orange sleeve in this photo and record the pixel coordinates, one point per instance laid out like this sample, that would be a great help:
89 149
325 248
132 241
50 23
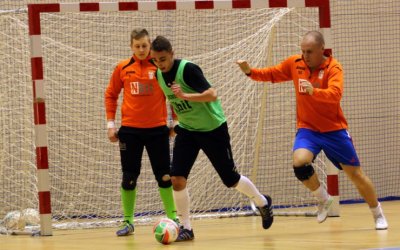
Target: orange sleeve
278 73
334 92
111 94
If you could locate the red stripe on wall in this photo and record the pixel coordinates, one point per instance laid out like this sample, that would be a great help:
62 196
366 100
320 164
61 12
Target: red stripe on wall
327 52
204 4
171 5
333 185
89 6
324 11
44 202
37 68
33 20
277 3
124 6
42 159
34 15
241 4
39 110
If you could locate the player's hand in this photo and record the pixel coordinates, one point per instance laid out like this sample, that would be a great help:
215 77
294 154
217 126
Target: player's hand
112 134
244 66
174 123
172 132
307 86
176 89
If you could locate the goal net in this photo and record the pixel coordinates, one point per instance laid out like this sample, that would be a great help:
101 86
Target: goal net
80 51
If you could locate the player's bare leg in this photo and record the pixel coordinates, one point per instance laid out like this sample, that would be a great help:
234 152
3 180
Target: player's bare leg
304 171
367 191
303 157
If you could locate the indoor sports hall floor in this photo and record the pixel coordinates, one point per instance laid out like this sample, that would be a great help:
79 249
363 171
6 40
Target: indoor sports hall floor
354 229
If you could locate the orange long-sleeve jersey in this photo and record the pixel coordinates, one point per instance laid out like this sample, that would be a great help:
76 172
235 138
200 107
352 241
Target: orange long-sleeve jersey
144 103
321 111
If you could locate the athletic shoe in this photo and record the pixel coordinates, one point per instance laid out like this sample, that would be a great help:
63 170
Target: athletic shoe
381 223
323 209
126 229
185 234
267 213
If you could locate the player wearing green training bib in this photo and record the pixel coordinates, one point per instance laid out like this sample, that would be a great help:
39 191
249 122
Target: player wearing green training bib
192 115
202 126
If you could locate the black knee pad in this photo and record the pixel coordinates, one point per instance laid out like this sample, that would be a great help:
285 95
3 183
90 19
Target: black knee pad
304 172
129 181
164 181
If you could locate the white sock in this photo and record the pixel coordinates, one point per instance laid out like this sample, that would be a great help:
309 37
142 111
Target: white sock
182 202
247 187
376 211
321 194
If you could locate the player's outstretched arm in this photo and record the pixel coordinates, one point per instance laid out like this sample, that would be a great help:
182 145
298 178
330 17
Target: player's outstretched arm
244 66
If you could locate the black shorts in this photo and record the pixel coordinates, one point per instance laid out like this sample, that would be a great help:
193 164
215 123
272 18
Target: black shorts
215 144
132 142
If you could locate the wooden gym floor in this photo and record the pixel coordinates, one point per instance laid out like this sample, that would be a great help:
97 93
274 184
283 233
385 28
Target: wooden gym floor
354 229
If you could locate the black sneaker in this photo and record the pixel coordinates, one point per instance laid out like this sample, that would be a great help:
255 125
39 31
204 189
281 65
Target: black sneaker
185 234
126 229
267 213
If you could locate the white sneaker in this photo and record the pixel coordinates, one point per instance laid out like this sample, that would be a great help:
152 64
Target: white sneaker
323 209
381 223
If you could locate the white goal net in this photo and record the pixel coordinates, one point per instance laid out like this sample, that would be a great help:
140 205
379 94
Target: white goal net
80 51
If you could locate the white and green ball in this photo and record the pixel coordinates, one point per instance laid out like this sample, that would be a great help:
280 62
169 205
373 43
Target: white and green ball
166 231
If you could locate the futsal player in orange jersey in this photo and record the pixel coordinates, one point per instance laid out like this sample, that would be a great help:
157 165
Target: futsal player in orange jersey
144 125
321 125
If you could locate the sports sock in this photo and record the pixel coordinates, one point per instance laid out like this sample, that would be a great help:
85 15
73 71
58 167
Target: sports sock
376 211
321 194
168 201
182 202
247 187
128 198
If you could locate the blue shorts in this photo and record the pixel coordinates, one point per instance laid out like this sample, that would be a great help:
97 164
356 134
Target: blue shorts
337 145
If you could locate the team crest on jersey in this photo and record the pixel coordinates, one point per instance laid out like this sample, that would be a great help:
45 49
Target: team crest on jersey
151 75
321 74
138 88
302 90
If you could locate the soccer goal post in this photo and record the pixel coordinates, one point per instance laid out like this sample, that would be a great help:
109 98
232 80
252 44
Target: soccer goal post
74 48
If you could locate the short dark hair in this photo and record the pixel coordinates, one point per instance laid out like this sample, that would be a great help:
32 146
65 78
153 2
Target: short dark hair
161 44
318 37
138 33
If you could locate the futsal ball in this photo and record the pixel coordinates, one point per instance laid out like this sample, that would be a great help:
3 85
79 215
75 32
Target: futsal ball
166 231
